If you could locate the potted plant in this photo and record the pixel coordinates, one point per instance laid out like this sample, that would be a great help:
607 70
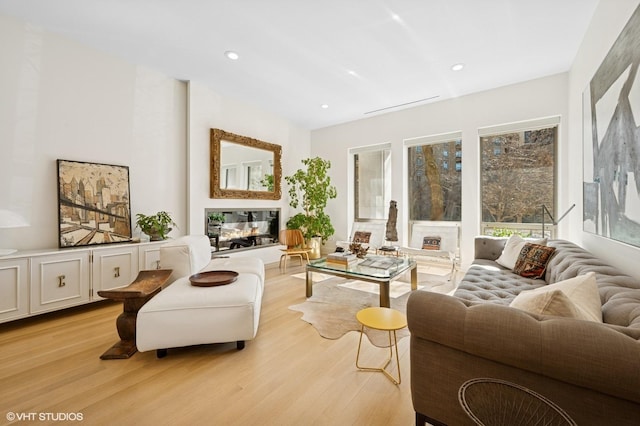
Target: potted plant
216 218
156 226
310 190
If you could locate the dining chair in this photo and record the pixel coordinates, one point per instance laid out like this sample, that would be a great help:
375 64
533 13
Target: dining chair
294 240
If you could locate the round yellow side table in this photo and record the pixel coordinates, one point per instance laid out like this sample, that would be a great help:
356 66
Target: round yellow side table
385 319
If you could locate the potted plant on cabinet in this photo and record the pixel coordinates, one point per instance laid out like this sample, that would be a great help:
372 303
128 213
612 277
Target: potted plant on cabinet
156 226
310 190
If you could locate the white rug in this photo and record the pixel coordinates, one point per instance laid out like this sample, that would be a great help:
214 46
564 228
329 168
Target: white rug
396 288
316 276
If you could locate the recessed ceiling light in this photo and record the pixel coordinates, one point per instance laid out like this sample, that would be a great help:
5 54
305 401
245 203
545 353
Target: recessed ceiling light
324 106
457 67
231 55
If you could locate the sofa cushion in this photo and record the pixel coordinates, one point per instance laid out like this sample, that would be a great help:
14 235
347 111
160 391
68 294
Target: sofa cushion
619 293
361 237
573 298
431 243
185 255
532 260
512 250
486 281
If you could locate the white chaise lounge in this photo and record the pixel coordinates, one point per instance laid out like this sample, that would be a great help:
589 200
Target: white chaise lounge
184 315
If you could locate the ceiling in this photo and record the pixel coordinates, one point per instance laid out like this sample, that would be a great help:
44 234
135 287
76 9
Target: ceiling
359 57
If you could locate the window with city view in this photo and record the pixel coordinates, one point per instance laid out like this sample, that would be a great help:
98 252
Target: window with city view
435 180
517 180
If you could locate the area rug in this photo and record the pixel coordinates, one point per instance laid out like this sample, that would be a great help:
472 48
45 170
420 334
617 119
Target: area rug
396 289
316 277
332 311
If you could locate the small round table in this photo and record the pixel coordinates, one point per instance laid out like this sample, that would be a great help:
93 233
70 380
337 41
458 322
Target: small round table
385 319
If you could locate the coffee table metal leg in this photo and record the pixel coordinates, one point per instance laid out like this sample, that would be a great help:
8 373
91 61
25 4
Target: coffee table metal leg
309 283
385 301
414 278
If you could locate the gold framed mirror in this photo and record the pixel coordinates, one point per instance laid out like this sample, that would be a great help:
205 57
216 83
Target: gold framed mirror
244 168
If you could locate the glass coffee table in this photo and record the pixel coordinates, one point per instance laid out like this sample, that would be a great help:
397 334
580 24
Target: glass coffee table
375 269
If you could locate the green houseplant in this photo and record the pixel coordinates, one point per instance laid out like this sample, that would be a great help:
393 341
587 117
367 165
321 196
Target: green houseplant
156 226
310 190
216 218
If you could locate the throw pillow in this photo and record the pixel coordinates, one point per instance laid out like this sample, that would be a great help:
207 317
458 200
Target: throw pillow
512 250
361 237
533 259
573 298
431 243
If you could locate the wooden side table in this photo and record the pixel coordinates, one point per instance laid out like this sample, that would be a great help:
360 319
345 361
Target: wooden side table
386 319
146 285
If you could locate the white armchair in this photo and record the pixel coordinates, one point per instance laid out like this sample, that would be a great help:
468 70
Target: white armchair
424 241
370 234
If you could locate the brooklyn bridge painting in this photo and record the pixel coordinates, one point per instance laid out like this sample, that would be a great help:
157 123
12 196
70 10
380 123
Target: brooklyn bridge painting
94 204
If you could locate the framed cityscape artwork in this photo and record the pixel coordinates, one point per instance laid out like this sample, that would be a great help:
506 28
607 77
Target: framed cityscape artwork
93 204
611 132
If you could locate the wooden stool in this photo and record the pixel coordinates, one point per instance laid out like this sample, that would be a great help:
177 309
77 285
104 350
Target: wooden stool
386 319
134 296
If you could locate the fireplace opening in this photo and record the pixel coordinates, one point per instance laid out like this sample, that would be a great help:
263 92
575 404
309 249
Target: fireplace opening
242 229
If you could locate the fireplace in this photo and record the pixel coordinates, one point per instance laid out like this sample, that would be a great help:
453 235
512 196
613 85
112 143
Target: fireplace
242 229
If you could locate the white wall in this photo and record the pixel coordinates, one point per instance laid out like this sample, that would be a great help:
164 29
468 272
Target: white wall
533 99
609 19
207 110
63 100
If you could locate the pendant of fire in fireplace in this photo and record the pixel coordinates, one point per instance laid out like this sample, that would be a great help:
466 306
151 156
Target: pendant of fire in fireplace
242 229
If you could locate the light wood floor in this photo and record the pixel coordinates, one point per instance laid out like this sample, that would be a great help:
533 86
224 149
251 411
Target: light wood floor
288 375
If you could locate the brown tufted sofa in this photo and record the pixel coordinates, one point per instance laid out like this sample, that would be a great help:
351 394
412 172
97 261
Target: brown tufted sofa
591 370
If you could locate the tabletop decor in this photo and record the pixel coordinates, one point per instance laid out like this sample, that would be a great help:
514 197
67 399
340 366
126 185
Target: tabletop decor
358 249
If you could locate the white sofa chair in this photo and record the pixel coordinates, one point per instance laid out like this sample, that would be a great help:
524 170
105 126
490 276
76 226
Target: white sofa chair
370 234
449 236
184 315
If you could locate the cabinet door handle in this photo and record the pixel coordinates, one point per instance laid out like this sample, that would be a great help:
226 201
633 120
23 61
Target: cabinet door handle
116 271
61 282
157 264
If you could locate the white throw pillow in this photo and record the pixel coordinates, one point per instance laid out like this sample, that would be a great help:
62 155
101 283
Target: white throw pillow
512 250
573 298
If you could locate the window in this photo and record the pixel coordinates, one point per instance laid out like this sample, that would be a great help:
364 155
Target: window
372 189
435 178
518 176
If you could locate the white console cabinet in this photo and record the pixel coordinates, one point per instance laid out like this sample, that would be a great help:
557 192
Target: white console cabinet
40 281
14 289
59 280
149 256
113 267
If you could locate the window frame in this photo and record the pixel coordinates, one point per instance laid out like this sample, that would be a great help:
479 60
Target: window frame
386 185
431 140
532 228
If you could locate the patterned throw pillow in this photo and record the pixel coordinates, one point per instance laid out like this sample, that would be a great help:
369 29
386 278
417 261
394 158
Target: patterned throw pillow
431 243
533 259
361 237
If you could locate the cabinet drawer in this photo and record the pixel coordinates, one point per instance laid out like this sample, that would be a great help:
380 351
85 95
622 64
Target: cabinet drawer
14 289
59 280
113 268
149 257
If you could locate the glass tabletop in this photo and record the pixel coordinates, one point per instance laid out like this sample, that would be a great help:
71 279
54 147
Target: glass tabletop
384 267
